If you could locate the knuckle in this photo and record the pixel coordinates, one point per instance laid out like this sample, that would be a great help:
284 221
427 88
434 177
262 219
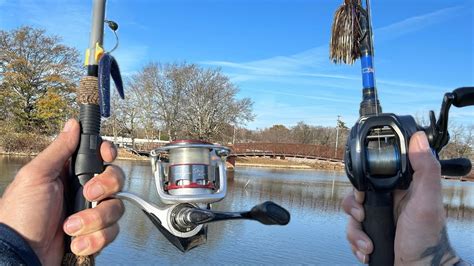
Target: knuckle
98 240
112 179
93 219
103 237
115 209
121 207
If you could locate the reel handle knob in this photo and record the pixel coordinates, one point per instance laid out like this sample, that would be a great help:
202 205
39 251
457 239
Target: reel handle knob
455 167
270 213
463 96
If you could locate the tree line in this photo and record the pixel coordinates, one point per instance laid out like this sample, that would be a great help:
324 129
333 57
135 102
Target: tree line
39 77
176 101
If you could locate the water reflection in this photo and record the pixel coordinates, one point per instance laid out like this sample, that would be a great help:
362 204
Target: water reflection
458 198
9 166
315 234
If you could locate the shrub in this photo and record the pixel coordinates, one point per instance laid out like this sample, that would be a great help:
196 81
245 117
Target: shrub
23 142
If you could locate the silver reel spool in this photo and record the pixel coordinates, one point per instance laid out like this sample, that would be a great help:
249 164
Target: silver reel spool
195 172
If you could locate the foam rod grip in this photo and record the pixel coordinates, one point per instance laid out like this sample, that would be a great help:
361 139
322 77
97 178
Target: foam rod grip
379 226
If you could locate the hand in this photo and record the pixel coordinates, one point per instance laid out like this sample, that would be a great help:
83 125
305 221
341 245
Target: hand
421 236
33 204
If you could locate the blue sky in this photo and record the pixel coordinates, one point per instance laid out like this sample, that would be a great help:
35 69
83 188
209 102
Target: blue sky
276 51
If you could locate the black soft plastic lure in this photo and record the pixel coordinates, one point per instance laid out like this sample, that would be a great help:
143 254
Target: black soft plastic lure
108 67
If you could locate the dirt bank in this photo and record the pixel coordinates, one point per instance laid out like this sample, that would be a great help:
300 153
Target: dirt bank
123 154
289 164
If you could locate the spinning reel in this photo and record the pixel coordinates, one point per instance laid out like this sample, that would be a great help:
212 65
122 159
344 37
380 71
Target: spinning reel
377 162
190 175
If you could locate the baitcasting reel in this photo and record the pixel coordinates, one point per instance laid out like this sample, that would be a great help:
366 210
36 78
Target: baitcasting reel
376 161
189 176
377 149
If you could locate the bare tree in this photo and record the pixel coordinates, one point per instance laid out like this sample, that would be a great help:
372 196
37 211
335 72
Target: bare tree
187 101
461 142
302 133
210 104
161 89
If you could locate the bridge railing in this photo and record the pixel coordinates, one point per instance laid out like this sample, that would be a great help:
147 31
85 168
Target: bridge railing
303 150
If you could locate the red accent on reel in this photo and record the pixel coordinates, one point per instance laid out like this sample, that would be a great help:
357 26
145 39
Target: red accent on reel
192 185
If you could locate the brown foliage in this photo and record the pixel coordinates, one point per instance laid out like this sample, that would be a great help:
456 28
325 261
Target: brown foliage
33 64
29 143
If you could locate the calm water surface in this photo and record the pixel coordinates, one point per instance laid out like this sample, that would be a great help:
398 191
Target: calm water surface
315 235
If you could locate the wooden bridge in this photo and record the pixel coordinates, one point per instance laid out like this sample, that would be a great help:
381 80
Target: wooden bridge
271 150
285 150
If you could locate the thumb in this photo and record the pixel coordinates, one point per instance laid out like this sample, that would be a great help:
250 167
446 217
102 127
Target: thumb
427 170
50 161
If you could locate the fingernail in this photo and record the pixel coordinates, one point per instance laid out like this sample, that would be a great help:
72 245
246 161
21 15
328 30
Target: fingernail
362 245
95 191
80 245
113 151
357 214
361 256
67 126
422 142
73 225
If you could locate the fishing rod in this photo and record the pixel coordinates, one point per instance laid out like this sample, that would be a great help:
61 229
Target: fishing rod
376 156
93 98
190 175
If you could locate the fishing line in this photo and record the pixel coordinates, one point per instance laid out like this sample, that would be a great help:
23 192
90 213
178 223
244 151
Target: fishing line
113 26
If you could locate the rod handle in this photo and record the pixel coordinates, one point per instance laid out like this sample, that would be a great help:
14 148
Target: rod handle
86 162
379 226
463 96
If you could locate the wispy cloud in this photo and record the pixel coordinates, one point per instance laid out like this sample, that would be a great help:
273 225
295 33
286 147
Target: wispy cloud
416 23
314 62
312 68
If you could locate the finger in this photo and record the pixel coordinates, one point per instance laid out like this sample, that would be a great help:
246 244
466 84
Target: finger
91 220
108 151
105 184
425 193
426 168
92 243
359 196
353 208
358 238
50 161
363 258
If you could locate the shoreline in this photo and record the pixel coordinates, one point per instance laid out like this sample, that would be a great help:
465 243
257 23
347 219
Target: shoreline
237 164
289 163
253 162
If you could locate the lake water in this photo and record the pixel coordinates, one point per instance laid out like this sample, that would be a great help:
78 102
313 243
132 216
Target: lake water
315 235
